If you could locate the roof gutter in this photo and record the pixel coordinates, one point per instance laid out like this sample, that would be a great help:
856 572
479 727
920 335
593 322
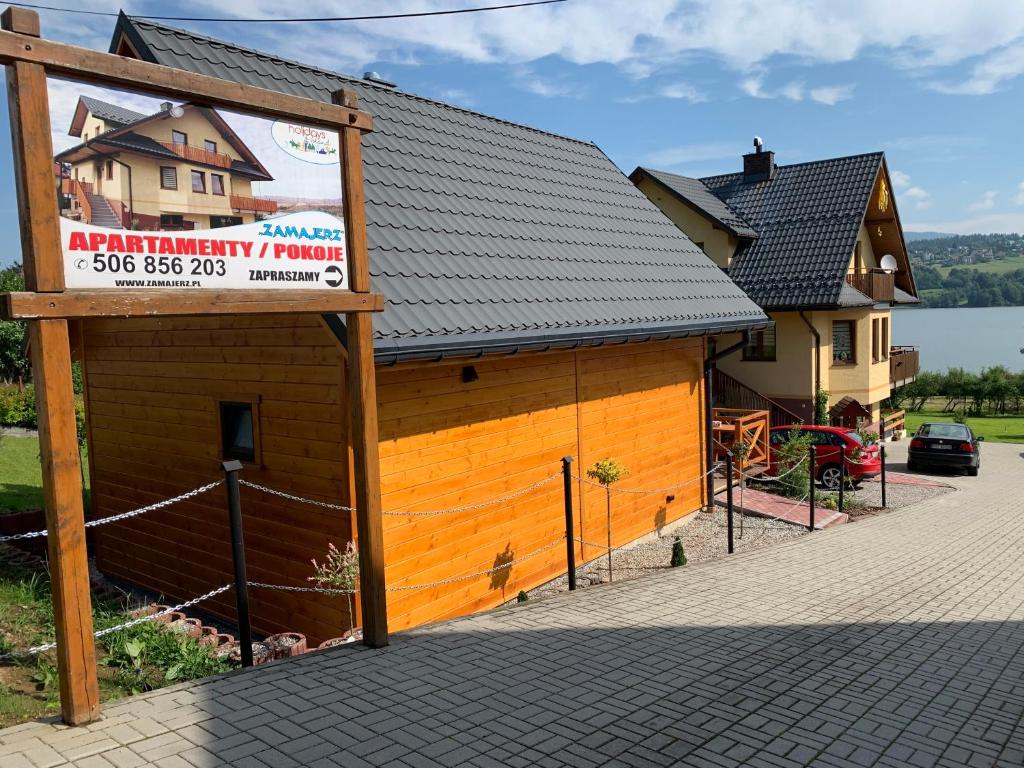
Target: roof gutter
817 363
439 350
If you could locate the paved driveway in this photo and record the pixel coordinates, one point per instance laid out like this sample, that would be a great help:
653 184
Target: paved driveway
893 642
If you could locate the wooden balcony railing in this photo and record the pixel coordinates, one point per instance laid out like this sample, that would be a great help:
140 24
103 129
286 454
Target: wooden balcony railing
731 393
81 194
198 154
904 365
876 284
257 204
737 425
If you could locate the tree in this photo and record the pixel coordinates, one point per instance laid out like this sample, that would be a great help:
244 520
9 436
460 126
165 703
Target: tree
606 472
13 365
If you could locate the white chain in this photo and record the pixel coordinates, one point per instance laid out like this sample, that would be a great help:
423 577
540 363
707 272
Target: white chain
159 505
482 504
125 515
142 619
697 479
292 497
286 588
468 576
769 479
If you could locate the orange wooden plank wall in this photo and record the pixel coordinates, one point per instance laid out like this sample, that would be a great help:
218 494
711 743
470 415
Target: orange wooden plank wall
152 393
152 389
445 443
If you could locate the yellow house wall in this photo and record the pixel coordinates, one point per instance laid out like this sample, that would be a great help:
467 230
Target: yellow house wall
865 380
867 252
791 374
146 194
718 244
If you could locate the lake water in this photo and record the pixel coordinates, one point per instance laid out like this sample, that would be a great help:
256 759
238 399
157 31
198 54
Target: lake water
971 338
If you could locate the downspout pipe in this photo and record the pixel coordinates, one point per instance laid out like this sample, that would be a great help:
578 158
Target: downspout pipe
131 196
709 434
817 365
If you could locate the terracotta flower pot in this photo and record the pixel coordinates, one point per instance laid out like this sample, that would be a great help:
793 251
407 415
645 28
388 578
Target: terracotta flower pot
287 644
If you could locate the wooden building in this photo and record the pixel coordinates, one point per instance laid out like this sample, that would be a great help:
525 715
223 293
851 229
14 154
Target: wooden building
538 306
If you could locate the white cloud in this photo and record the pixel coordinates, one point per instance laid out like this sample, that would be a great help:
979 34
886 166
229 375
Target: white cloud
832 94
683 91
640 37
986 203
546 86
793 91
796 90
989 73
900 180
1019 199
993 222
694 153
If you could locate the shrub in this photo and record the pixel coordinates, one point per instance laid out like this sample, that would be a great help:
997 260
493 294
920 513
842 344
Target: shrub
791 463
17 407
678 553
149 656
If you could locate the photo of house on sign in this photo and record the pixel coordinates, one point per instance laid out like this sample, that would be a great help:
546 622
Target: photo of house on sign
239 200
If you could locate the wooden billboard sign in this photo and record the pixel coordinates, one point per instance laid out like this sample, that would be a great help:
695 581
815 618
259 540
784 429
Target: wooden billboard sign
49 302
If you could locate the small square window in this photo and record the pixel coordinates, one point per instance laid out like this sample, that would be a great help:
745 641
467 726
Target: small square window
217 184
844 351
198 181
168 177
177 137
210 146
761 346
237 433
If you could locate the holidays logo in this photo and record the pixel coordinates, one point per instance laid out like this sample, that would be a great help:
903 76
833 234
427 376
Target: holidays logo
313 145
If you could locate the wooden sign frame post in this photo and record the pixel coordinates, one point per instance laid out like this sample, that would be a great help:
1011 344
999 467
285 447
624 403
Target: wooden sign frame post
47 307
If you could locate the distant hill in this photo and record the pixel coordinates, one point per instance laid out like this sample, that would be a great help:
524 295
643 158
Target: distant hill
969 270
914 236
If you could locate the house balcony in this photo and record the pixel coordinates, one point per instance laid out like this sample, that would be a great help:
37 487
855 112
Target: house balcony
255 204
876 284
198 154
904 365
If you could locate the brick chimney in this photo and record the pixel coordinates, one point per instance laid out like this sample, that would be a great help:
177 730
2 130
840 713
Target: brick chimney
758 165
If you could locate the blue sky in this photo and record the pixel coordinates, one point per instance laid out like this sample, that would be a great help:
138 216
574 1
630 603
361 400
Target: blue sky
684 86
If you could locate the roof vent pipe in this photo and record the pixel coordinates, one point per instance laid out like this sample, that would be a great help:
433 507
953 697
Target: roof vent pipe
375 77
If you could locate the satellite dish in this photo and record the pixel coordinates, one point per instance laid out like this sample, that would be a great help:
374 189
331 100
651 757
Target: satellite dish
177 111
888 263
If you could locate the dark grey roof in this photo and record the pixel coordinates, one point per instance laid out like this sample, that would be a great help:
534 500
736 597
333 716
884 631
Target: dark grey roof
111 113
488 235
902 297
136 142
694 193
807 218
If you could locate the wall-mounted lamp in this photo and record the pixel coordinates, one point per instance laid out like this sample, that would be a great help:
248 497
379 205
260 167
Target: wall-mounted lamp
469 374
670 498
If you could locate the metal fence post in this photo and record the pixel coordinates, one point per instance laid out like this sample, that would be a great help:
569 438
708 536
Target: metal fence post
570 536
842 478
884 505
728 499
231 469
814 471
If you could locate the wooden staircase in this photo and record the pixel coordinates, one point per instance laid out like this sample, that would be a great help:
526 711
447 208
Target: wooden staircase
727 392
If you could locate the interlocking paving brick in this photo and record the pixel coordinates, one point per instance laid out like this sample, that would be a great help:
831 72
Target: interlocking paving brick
897 641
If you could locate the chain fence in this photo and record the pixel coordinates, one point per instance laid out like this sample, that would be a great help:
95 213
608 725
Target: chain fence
139 620
126 515
588 481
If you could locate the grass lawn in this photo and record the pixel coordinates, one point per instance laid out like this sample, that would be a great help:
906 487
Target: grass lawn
996 429
995 267
21 478
132 660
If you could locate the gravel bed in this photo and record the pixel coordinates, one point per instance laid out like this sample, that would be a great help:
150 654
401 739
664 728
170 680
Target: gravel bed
868 499
703 536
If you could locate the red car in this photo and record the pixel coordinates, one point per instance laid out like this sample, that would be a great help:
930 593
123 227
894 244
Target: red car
862 462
